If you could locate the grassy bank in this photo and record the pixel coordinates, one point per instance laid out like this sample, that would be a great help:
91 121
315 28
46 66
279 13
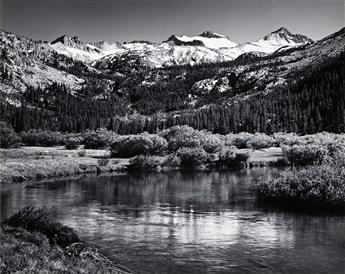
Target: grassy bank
179 147
315 187
317 181
31 242
31 163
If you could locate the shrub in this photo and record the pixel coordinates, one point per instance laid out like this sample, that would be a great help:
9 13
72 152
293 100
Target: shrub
211 143
240 140
81 153
98 139
172 161
44 138
142 162
290 139
103 161
315 186
8 137
72 143
260 140
40 220
181 136
185 136
242 156
191 157
249 140
229 158
301 155
159 144
133 145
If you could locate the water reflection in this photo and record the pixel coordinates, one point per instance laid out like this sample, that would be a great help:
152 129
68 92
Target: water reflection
190 223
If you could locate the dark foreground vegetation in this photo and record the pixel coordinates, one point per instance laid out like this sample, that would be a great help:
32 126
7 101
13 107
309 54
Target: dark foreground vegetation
32 242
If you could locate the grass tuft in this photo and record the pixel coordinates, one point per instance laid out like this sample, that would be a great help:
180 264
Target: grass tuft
36 219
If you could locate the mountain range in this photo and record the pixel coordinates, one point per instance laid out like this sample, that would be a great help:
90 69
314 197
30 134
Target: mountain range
206 47
179 75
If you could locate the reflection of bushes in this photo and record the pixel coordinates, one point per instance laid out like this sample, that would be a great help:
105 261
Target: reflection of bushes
133 145
141 162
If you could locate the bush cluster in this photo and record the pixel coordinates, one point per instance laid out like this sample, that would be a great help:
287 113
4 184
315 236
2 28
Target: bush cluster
44 138
249 140
103 161
142 163
191 157
133 145
300 155
98 139
72 143
229 158
315 186
8 137
185 136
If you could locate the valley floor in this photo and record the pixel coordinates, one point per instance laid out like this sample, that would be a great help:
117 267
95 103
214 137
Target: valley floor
32 163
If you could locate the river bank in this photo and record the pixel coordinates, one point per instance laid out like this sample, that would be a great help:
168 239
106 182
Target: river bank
35 163
32 242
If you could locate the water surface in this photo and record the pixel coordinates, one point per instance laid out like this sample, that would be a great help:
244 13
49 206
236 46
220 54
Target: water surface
189 223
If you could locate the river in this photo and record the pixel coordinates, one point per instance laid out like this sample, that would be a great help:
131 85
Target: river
202 222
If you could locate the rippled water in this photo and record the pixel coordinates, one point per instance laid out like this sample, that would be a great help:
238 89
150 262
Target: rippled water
189 223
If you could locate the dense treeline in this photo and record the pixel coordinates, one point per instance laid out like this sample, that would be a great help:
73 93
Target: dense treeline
315 102
58 109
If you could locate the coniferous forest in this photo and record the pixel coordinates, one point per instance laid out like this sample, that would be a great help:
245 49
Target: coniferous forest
313 102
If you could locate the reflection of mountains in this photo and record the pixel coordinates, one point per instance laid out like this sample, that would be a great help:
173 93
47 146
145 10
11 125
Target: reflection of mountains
201 192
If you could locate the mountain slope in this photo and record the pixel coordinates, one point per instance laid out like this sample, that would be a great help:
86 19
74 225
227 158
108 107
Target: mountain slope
24 63
147 80
75 48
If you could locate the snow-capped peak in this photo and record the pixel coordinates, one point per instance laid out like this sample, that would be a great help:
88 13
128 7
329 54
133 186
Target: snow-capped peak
283 35
274 41
211 34
77 49
183 45
106 47
208 39
73 42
